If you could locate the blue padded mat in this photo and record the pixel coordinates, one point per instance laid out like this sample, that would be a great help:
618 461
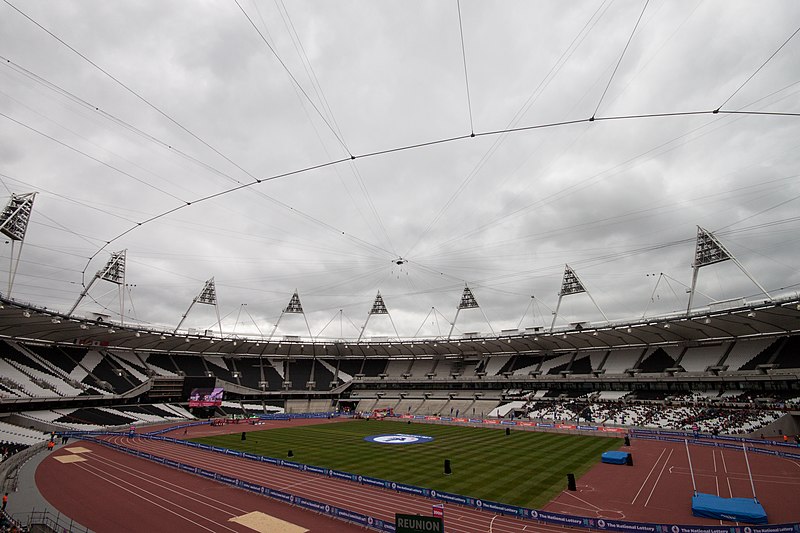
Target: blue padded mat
614 458
733 509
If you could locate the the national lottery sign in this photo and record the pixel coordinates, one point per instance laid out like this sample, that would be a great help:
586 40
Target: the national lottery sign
398 438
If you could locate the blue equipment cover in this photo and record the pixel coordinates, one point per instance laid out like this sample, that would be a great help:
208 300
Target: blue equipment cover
614 458
734 509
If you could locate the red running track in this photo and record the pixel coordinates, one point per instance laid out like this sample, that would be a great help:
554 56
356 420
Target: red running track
659 486
116 492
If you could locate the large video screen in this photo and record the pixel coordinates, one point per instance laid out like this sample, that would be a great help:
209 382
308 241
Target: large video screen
206 397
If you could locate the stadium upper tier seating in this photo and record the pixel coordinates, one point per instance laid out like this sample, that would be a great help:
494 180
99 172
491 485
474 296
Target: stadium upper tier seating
32 370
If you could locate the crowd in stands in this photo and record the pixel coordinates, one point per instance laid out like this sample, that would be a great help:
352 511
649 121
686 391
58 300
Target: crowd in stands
7 525
674 414
10 448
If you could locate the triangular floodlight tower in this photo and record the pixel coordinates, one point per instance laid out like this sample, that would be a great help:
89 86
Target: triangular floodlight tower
572 284
207 296
468 301
13 224
295 308
114 271
378 308
708 251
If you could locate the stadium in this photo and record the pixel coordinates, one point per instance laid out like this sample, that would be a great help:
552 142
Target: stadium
565 234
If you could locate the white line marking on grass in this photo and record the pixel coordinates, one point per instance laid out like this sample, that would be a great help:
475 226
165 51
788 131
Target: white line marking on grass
658 478
648 476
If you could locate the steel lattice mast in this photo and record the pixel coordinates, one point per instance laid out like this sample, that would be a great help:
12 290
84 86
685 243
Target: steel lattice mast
468 301
294 307
571 284
708 251
378 308
114 271
14 224
207 296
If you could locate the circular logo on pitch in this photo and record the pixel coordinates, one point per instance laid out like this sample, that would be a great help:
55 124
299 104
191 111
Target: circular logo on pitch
398 438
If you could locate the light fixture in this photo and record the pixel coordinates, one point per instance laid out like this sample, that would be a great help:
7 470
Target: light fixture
163 337
84 326
707 321
112 330
751 314
594 334
629 330
666 326
26 314
55 320
138 334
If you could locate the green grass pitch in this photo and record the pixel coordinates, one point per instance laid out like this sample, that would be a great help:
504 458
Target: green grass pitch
525 468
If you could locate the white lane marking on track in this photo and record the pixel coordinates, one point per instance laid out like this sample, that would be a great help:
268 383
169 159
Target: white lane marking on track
584 501
162 483
576 506
648 476
714 456
658 478
492 522
159 505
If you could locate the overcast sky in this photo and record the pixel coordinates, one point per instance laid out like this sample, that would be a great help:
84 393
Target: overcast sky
145 126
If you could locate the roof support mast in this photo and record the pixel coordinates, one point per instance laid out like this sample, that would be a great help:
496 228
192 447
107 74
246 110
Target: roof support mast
708 251
294 307
13 224
468 301
114 271
378 308
571 284
207 296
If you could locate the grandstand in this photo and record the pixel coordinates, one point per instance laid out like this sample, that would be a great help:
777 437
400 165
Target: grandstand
672 372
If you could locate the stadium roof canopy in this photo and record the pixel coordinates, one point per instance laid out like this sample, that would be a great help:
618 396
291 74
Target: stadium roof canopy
708 326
